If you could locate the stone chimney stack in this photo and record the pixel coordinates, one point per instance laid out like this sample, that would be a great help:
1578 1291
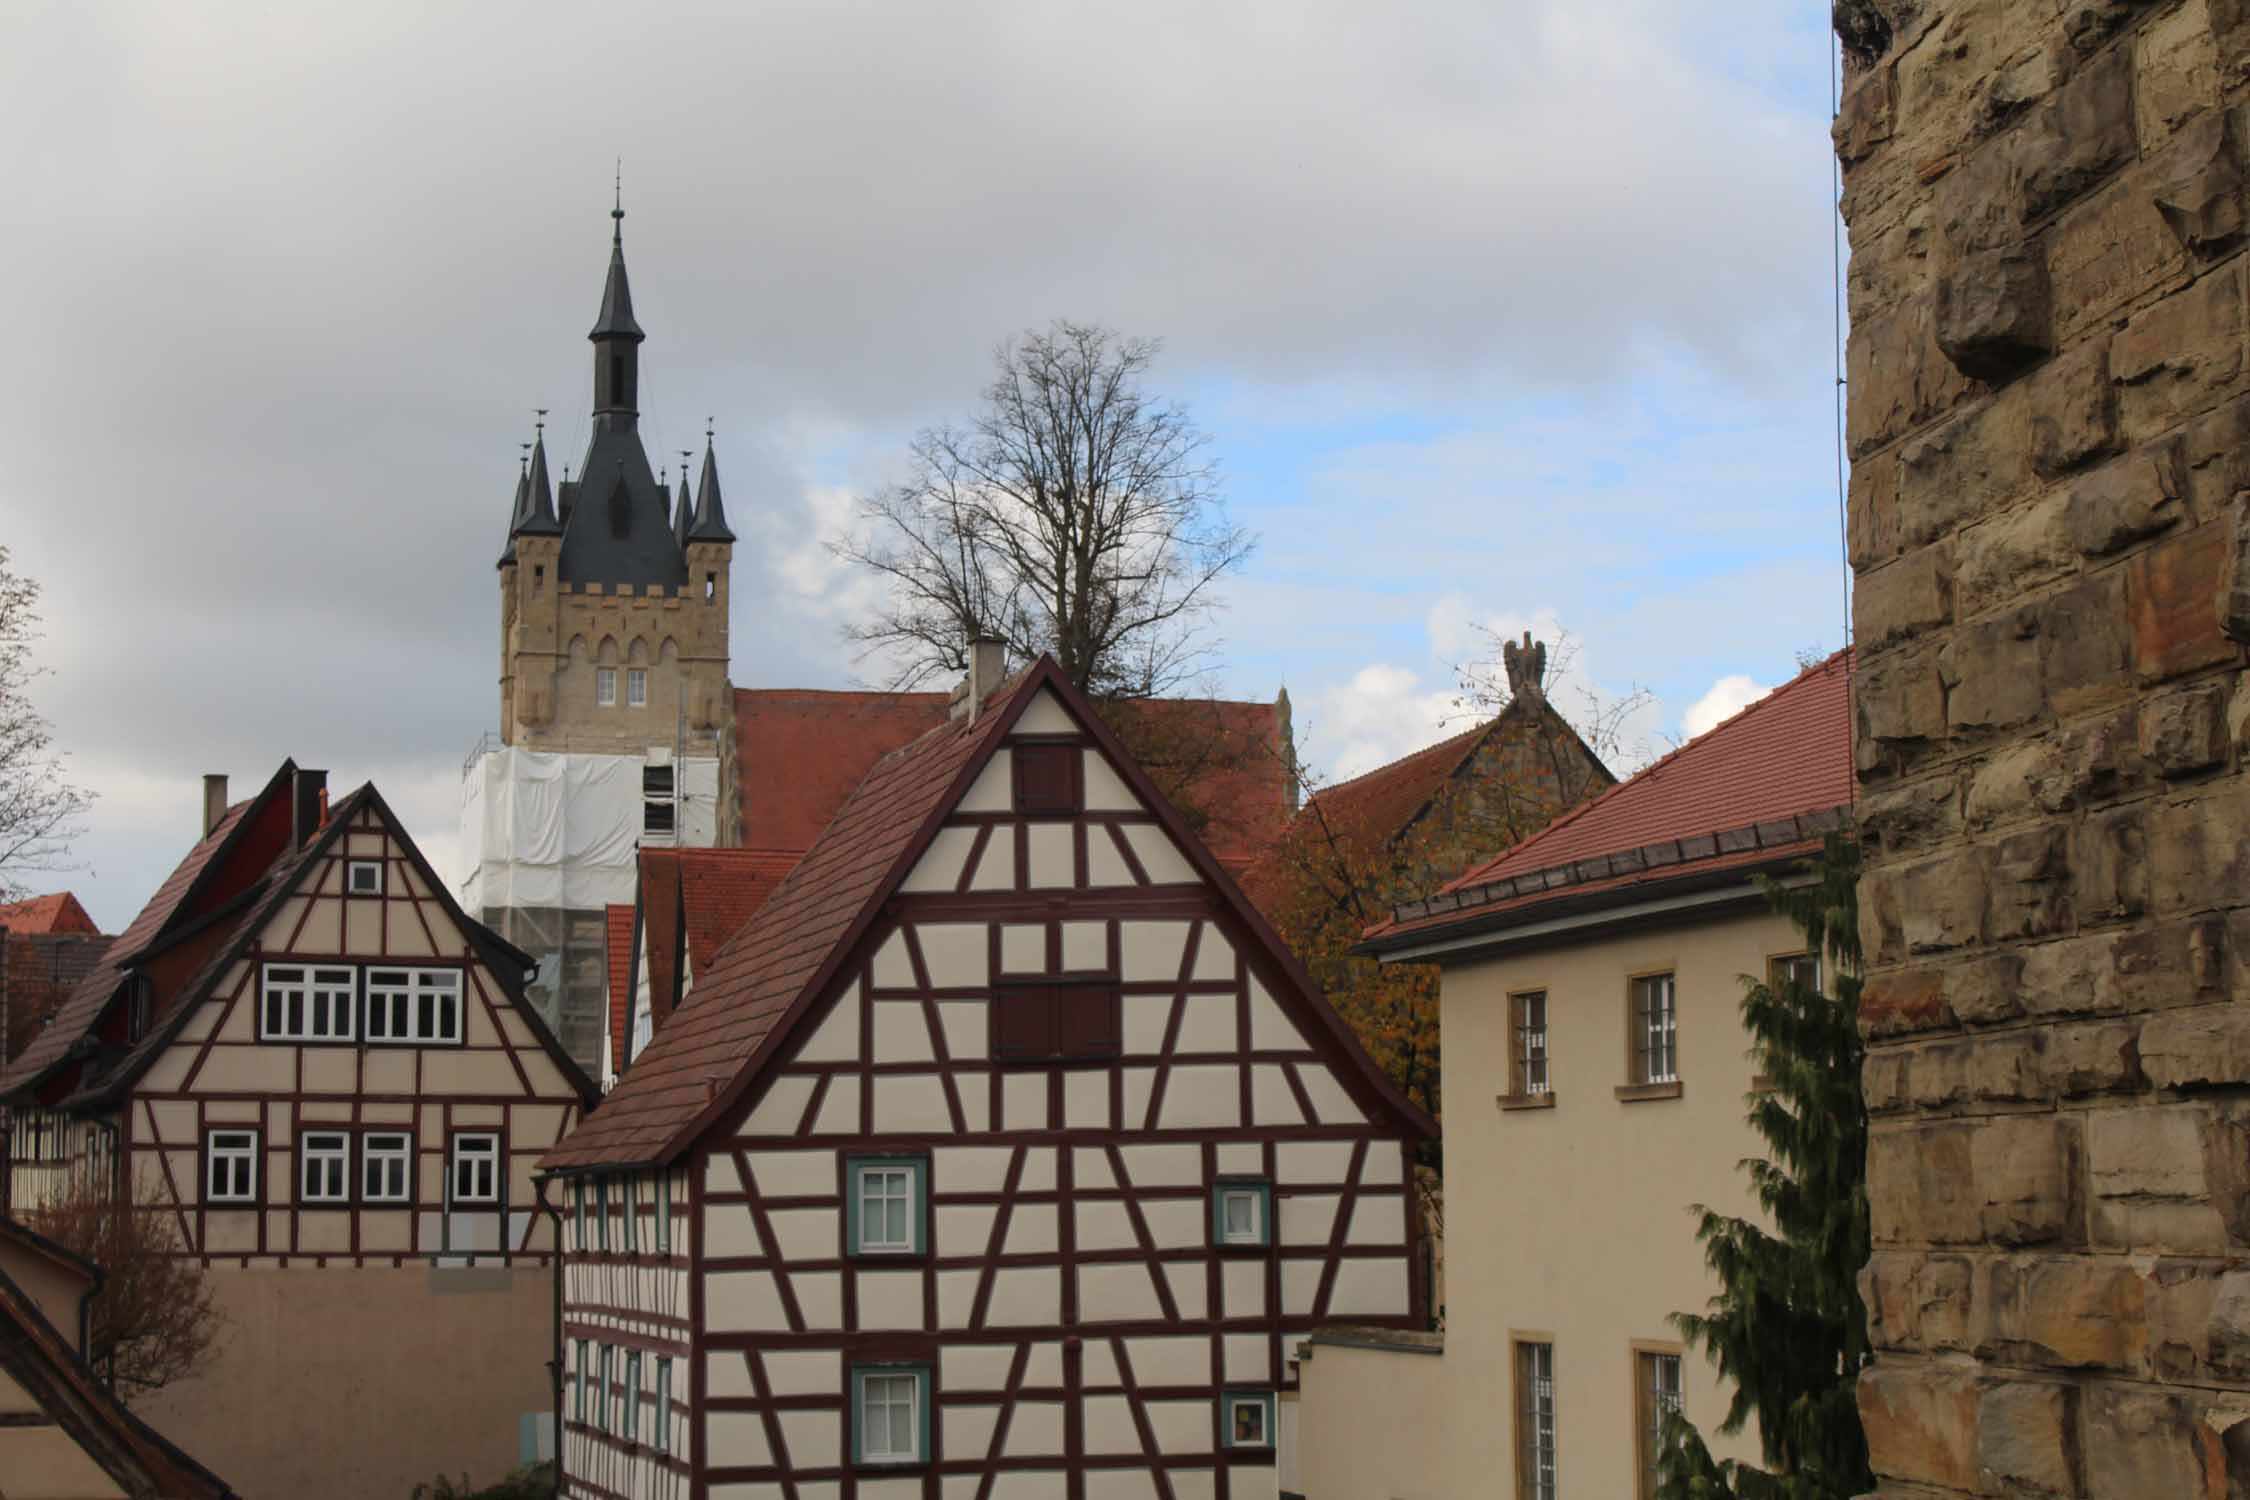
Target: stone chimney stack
307 810
988 663
214 801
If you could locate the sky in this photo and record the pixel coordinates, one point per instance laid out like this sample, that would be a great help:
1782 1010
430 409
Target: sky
1500 315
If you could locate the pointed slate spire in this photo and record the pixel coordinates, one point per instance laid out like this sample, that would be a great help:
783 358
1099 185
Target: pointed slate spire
515 515
539 501
616 320
683 514
710 512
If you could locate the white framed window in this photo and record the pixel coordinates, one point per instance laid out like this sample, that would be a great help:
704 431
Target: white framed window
664 1213
890 1413
476 1168
386 1162
1241 1212
306 1003
230 1171
1656 1025
364 877
636 687
632 1394
661 1438
324 1167
414 1007
1248 1418
605 686
886 1205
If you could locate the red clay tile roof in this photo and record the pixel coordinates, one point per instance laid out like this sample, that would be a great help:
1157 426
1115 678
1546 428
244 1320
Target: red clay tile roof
57 912
819 744
1764 782
708 892
37 974
619 940
778 965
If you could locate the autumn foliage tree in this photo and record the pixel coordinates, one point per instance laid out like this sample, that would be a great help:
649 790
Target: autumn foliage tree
153 1319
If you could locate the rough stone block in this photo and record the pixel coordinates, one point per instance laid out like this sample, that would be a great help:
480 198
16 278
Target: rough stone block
2185 732
1899 376
2074 977
2024 1434
2200 195
2026 1171
2175 74
2234 600
1909 596
1921 1423
1986 991
2177 589
2073 409
2029 891
2085 649
2109 866
2148 1180
2081 134
2227 1335
1975 465
1913 816
1899 706
2179 1296
2065 1312
1863 122
1899 1003
1990 671
2018 782
1994 311
2202 1045
2101 757
2000 558
2109 252
1942 902
2179 356
2177 963
1941 1076
1884 1080
2141 1444
2136 496
1923 1192
1871 535
2091 1058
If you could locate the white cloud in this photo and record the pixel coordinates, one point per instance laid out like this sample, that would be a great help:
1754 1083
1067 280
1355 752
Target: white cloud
1377 715
1728 697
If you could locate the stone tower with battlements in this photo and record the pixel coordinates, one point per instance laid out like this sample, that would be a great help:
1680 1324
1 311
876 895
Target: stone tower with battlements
2049 428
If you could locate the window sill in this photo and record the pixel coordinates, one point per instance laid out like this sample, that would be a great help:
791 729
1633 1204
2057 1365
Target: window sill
1634 1093
1528 1101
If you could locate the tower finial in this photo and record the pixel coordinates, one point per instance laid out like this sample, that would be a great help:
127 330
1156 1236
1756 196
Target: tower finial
617 206
539 420
710 424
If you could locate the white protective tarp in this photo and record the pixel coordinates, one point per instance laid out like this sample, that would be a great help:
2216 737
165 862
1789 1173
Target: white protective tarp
544 830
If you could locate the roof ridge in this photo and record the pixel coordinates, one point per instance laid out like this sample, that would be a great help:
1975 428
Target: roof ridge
1397 761
1646 773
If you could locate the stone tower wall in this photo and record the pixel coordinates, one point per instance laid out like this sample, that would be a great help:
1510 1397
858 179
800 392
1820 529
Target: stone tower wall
558 636
2050 439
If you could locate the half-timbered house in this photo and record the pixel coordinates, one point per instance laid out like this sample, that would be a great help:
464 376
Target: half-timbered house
1000 1155
306 1058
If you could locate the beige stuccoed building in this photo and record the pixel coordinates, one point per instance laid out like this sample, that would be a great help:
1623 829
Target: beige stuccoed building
1592 979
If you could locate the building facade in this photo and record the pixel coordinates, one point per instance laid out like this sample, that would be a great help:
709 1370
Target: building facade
1591 983
1002 1153
616 716
324 1077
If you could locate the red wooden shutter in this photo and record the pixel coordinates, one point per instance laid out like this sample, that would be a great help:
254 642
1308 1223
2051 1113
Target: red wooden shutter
1047 778
1023 1023
1086 1021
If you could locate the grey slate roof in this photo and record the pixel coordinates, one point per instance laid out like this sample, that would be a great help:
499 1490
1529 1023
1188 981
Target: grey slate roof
619 531
616 318
710 511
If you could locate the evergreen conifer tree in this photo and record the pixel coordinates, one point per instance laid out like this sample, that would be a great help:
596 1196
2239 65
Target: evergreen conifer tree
1787 1328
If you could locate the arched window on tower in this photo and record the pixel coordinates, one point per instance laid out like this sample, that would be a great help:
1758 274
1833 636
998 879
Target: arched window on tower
710 587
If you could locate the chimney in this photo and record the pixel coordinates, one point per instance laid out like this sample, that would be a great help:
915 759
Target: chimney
988 662
309 792
214 801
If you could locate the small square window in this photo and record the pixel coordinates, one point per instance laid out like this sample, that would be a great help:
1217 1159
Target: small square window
636 687
890 1414
605 686
1241 1212
364 877
888 1206
324 1167
1248 1417
1046 778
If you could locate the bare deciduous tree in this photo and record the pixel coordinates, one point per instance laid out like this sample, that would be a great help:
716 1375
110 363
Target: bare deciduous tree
153 1319
40 810
1075 513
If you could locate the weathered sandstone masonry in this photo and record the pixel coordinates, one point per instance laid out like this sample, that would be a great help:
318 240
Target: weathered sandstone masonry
2050 442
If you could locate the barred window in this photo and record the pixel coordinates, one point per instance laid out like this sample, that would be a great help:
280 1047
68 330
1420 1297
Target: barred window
1794 968
1535 1421
1530 1071
1656 1030
1658 1385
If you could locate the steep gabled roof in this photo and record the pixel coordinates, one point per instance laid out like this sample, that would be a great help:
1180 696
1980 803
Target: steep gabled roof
779 965
55 912
82 1012
1760 787
696 899
617 943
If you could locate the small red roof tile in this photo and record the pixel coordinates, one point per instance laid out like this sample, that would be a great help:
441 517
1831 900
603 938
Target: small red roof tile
58 911
1786 756
702 896
38 971
620 945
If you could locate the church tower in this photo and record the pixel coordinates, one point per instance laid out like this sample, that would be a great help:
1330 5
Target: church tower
616 716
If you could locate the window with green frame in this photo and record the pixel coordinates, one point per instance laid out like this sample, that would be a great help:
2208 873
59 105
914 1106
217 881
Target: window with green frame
601 1389
601 1213
1241 1212
632 1394
664 1213
887 1209
578 1407
890 1414
661 1439
578 1194
629 1194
